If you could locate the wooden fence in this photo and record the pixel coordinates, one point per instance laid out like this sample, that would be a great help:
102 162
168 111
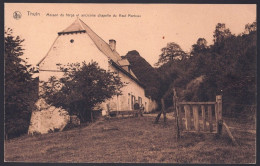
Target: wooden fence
199 116
203 117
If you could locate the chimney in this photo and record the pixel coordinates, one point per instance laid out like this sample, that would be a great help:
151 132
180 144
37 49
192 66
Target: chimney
112 44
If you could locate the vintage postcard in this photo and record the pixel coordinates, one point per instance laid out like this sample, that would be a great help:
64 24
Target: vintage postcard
88 83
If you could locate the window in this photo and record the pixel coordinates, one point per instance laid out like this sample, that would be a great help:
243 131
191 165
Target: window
139 100
129 98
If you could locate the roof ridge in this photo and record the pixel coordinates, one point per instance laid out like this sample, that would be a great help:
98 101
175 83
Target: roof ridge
79 20
74 27
102 40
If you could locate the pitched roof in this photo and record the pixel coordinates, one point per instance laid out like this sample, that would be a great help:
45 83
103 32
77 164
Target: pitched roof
75 26
78 26
129 74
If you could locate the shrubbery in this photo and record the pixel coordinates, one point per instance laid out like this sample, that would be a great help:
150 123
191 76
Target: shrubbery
229 67
20 88
82 87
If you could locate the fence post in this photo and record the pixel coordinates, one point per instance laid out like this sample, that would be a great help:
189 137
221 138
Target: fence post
216 114
219 112
176 107
180 116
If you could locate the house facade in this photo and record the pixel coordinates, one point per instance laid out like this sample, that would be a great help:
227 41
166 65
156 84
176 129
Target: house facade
78 43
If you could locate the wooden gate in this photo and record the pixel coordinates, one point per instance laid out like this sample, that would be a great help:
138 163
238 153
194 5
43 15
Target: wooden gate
203 117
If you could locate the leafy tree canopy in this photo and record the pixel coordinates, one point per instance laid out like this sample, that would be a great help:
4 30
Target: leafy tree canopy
199 47
228 67
82 87
250 27
170 53
221 33
18 86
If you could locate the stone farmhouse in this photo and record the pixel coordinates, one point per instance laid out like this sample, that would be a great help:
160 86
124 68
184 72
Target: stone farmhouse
78 43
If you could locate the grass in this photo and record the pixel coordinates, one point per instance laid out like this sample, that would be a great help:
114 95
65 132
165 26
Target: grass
134 140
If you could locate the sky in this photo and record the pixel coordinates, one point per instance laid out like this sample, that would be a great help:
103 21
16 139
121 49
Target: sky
146 27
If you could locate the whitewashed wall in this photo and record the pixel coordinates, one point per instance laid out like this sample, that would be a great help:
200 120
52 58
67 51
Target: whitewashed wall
124 101
64 52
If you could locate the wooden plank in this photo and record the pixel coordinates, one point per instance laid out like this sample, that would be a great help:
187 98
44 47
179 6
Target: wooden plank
229 134
203 114
195 109
210 118
177 109
197 103
177 124
187 117
180 116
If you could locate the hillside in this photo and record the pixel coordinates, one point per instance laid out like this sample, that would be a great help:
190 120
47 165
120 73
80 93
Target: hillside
229 68
135 140
145 73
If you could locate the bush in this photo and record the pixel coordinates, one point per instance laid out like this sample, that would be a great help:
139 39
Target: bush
82 87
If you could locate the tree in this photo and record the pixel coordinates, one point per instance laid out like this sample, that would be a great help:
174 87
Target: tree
199 47
18 87
221 33
228 67
169 53
250 28
81 88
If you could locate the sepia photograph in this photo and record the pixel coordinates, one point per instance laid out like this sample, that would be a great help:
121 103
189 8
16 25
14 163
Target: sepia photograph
130 83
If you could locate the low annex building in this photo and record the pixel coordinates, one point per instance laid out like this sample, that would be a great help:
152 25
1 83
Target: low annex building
78 43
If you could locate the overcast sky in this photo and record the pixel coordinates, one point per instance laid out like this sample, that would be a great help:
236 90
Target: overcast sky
155 26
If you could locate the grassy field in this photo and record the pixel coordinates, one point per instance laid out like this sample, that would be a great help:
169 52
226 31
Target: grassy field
135 140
